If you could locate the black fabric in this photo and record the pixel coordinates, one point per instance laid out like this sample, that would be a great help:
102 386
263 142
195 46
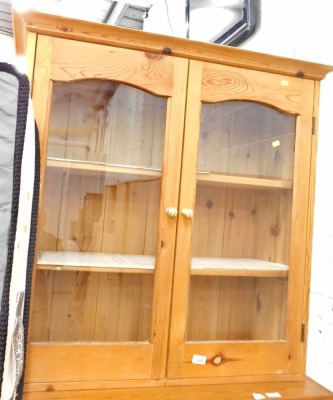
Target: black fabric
31 252
21 119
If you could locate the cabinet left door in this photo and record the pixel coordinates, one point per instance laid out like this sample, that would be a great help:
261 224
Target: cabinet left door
108 119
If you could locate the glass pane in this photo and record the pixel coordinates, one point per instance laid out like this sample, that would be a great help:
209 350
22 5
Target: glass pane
100 209
91 306
246 139
241 227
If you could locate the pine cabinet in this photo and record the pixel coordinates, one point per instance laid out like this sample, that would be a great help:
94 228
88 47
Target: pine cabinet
175 218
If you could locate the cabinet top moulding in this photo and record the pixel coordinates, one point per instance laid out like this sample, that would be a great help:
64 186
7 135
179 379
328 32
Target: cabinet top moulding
91 32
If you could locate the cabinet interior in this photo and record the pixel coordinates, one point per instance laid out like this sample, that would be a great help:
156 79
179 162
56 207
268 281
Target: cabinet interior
100 217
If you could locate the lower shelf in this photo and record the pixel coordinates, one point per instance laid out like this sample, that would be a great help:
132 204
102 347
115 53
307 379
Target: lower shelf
308 389
132 263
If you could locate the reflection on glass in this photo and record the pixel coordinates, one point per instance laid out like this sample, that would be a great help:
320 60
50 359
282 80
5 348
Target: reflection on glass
241 227
247 139
99 212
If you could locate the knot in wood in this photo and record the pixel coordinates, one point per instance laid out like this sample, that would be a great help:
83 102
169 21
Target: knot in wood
217 360
167 51
209 204
275 230
153 56
65 29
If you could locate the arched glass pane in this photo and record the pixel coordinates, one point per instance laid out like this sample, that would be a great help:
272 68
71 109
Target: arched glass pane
100 205
246 139
241 227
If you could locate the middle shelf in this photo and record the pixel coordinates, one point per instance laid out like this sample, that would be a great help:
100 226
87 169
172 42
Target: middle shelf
82 167
145 264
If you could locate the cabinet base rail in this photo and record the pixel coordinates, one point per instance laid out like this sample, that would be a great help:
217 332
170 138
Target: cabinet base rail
307 389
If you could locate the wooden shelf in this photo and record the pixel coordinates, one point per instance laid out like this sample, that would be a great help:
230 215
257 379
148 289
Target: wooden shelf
243 181
237 267
95 262
88 167
128 263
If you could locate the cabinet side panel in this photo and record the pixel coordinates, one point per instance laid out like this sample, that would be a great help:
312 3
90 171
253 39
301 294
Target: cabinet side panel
299 229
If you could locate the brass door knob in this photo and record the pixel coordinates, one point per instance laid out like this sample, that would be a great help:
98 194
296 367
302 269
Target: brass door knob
187 213
171 212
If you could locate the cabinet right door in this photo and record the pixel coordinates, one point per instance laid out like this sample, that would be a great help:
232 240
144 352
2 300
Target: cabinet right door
241 266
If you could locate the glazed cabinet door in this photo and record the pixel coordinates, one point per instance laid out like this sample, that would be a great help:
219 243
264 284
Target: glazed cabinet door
111 127
241 260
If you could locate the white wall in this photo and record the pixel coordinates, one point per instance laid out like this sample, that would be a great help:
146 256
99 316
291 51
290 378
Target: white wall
6 49
320 342
7 53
